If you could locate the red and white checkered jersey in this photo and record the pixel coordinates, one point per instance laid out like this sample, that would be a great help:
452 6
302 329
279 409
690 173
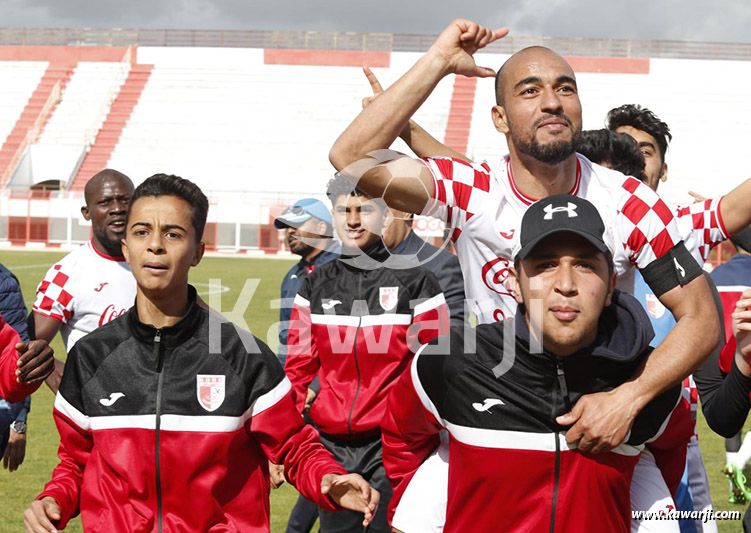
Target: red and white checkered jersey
483 208
85 290
701 227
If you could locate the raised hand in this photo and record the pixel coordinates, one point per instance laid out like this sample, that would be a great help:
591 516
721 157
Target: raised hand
35 361
375 85
352 492
458 43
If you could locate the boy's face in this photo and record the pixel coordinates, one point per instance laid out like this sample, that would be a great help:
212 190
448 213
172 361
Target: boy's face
359 221
160 244
564 284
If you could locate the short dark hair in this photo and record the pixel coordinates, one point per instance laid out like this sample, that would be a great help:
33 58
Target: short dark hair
170 185
643 119
341 186
615 150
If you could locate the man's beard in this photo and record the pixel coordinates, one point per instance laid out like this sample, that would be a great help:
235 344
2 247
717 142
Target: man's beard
553 152
112 247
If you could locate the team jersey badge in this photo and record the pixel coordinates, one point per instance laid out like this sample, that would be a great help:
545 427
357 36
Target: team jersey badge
389 296
210 391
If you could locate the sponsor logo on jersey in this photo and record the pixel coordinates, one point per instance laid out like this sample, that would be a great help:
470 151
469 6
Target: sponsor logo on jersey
110 313
99 289
329 304
389 296
210 391
508 235
487 404
112 399
495 276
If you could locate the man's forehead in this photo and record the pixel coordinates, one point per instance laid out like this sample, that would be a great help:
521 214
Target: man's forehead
535 62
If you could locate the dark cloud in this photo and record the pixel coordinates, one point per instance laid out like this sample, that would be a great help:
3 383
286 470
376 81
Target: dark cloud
696 20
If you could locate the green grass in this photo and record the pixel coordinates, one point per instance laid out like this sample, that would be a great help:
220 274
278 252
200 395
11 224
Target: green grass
20 488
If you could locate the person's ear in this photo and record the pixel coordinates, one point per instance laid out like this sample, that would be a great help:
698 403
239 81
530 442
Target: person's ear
126 251
516 284
664 174
611 288
200 249
500 118
388 218
85 212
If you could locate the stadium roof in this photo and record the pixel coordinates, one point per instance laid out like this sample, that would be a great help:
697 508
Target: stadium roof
365 42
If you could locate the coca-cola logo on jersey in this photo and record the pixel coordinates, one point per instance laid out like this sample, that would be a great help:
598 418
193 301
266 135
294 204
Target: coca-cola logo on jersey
495 276
110 313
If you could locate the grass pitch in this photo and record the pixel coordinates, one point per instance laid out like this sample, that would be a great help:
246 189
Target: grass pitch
18 489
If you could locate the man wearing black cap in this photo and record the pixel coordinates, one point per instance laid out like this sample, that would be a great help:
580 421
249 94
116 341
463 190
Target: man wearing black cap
307 229
502 402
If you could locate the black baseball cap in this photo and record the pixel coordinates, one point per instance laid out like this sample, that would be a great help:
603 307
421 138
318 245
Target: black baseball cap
557 214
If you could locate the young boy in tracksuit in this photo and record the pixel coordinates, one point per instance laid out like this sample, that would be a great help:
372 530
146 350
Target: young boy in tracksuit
169 415
355 324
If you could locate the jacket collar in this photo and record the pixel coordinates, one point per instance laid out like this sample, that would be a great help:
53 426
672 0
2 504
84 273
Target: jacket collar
370 259
623 332
172 335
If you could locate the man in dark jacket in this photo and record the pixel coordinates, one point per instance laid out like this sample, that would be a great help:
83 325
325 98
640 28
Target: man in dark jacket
406 246
355 324
307 229
512 466
13 415
168 415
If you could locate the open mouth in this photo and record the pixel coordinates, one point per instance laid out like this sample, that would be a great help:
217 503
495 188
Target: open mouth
117 225
355 234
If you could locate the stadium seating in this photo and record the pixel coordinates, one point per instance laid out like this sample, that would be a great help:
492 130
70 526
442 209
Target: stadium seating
19 80
245 125
248 125
75 121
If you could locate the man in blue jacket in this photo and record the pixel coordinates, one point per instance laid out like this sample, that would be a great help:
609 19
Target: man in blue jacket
13 415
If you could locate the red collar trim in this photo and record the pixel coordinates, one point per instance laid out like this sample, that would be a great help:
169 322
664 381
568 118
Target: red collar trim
528 200
100 254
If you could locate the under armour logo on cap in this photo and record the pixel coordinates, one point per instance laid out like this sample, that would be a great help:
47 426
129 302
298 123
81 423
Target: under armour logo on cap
550 210
561 213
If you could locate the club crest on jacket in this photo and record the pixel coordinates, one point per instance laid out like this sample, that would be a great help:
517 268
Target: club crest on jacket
389 296
210 391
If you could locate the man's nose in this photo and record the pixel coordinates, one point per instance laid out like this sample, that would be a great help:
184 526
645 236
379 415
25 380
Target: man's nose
565 281
353 218
551 101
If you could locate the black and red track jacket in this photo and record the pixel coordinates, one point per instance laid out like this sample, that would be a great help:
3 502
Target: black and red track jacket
356 328
10 389
172 429
510 468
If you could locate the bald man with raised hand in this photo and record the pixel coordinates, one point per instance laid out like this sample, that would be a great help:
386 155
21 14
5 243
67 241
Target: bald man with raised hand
93 284
539 112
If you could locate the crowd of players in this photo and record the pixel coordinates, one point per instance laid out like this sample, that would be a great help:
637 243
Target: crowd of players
598 331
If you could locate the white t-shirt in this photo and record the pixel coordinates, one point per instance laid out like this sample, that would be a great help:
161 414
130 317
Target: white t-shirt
483 208
84 290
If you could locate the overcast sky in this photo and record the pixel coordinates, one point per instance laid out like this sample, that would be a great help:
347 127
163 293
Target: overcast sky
696 20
